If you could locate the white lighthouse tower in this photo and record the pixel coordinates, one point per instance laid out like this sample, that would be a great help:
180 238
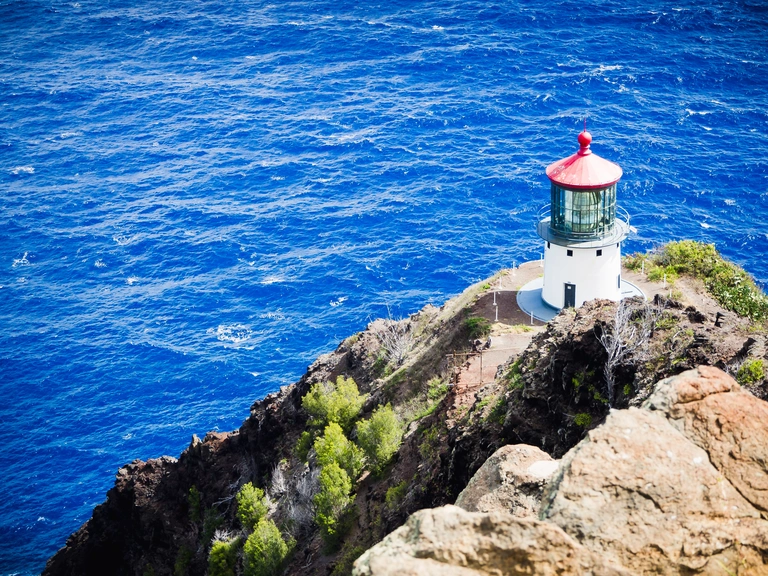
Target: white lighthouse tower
582 230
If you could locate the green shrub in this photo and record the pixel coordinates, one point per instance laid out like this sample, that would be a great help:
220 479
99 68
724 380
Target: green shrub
183 560
193 500
751 372
514 376
265 550
635 261
332 500
303 444
380 437
346 559
395 495
333 446
436 389
327 402
222 559
251 506
498 413
478 326
583 420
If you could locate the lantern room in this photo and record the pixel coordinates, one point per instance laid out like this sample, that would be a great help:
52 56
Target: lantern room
582 229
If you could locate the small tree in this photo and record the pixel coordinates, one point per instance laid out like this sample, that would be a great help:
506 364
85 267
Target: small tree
251 506
222 559
332 500
627 335
333 446
396 339
327 402
380 437
265 550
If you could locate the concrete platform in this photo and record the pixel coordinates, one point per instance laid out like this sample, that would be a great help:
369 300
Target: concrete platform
529 299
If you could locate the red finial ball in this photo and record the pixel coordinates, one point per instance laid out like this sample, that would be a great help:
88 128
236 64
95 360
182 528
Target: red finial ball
585 139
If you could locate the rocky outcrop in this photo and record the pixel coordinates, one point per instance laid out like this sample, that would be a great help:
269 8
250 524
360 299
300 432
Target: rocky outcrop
675 487
511 480
450 541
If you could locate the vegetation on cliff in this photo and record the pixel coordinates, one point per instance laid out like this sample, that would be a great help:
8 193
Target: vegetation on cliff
729 284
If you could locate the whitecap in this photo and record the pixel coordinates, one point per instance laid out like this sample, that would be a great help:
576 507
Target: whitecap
339 301
730 202
23 261
65 135
22 170
255 374
704 225
100 263
234 333
121 240
276 315
272 279
436 27
707 128
131 280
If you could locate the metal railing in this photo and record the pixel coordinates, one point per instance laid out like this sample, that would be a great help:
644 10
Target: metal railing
545 213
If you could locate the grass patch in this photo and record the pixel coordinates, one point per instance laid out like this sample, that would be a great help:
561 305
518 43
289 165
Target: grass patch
514 377
751 372
478 326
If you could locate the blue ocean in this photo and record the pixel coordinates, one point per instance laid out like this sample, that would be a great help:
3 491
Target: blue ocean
198 198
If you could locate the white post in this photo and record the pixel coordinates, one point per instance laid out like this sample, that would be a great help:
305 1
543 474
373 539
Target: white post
531 317
494 298
665 280
497 311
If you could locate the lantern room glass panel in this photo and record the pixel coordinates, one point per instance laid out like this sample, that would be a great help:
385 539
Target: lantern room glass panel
583 213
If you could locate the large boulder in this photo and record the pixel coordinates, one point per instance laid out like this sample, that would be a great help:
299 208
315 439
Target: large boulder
713 412
511 480
450 541
639 492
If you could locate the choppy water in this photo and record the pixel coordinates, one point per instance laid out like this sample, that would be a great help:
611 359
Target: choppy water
200 197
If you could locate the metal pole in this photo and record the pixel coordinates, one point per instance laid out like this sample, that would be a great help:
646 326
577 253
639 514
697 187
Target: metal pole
497 312
531 317
494 298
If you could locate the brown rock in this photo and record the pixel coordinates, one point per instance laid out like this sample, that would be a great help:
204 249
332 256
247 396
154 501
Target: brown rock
638 492
450 541
511 480
712 411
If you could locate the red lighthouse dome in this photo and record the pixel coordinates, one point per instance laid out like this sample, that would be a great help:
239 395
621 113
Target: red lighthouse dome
584 170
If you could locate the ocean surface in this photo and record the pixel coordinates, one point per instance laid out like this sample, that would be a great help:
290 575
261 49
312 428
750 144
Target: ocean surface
198 198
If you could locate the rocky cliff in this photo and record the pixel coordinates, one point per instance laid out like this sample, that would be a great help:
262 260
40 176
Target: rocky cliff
161 515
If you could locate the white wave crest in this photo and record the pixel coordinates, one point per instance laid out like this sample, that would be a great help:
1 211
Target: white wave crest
23 261
22 170
234 333
339 301
100 263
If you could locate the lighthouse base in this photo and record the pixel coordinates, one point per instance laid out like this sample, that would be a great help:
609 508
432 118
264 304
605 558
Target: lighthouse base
529 299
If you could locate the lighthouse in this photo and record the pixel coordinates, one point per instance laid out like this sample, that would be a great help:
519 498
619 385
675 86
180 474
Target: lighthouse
582 229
